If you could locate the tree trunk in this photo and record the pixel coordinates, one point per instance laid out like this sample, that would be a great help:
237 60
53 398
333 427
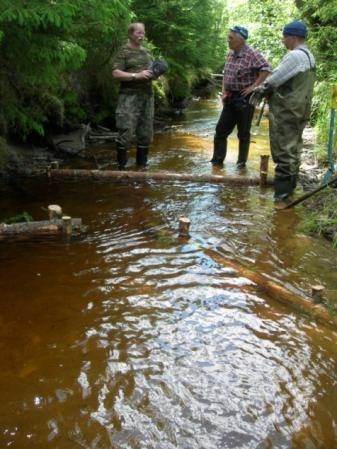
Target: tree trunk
160 176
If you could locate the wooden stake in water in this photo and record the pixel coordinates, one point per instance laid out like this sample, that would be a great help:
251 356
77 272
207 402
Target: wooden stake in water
317 293
55 211
184 227
264 161
67 225
55 165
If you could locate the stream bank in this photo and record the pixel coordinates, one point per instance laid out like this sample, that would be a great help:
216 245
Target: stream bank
321 208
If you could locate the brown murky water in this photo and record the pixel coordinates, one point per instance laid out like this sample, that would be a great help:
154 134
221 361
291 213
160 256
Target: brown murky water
127 337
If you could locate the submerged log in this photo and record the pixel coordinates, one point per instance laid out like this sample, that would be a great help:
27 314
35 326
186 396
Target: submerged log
278 292
159 176
44 227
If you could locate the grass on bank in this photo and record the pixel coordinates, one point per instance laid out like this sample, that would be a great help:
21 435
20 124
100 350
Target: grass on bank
322 218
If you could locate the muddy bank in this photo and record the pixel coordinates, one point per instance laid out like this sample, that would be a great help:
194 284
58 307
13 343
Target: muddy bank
74 145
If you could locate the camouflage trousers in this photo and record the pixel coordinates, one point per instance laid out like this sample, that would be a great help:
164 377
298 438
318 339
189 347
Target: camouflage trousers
134 119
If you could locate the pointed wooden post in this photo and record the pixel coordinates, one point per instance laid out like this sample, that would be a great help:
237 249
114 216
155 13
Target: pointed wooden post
317 293
184 227
67 225
55 165
55 211
264 162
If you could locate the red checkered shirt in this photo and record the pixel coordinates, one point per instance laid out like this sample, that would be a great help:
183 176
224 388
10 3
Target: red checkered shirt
243 68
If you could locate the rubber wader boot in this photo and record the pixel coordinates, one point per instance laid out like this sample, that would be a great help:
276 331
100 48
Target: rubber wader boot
243 154
141 155
219 151
122 157
283 190
294 181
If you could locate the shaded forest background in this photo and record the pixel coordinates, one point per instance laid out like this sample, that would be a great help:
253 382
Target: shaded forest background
56 55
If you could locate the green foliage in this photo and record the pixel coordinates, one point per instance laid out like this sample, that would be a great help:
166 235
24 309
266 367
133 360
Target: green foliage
42 44
25 217
55 57
321 16
332 309
265 21
321 115
3 153
189 35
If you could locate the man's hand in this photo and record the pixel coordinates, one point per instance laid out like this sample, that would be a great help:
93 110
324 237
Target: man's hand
255 98
261 91
248 90
144 75
223 96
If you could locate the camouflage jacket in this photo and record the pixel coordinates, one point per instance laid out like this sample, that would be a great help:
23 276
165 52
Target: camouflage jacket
133 60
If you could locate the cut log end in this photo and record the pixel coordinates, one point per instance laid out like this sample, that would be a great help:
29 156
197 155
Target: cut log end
67 225
264 162
54 165
317 293
55 211
184 226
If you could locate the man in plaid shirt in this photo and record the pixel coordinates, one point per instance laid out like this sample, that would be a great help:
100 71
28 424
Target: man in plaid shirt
245 69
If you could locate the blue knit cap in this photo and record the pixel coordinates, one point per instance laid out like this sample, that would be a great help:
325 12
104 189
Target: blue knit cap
240 30
295 28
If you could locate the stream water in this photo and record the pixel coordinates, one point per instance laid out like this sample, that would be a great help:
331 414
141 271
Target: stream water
128 338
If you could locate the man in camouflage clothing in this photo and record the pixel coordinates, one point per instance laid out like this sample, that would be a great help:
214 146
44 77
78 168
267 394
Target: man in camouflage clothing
134 113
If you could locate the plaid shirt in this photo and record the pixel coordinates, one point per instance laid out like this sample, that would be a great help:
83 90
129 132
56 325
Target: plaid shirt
295 61
242 69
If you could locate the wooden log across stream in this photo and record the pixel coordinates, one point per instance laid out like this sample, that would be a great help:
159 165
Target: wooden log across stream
278 292
158 176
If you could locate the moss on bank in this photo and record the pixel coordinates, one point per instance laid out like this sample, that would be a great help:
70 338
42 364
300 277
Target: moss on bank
322 217
3 153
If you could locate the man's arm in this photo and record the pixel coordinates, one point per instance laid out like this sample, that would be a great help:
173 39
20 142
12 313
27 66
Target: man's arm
127 76
223 88
294 62
262 76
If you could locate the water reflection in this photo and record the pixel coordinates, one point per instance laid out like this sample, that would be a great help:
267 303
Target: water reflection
130 338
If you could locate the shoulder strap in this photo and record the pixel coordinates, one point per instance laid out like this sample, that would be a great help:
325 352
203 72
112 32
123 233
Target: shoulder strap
305 51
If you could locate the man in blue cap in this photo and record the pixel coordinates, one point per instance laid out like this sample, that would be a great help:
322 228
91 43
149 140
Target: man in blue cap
244 70
290 89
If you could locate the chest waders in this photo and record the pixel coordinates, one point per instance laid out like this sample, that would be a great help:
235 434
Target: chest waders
289 111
